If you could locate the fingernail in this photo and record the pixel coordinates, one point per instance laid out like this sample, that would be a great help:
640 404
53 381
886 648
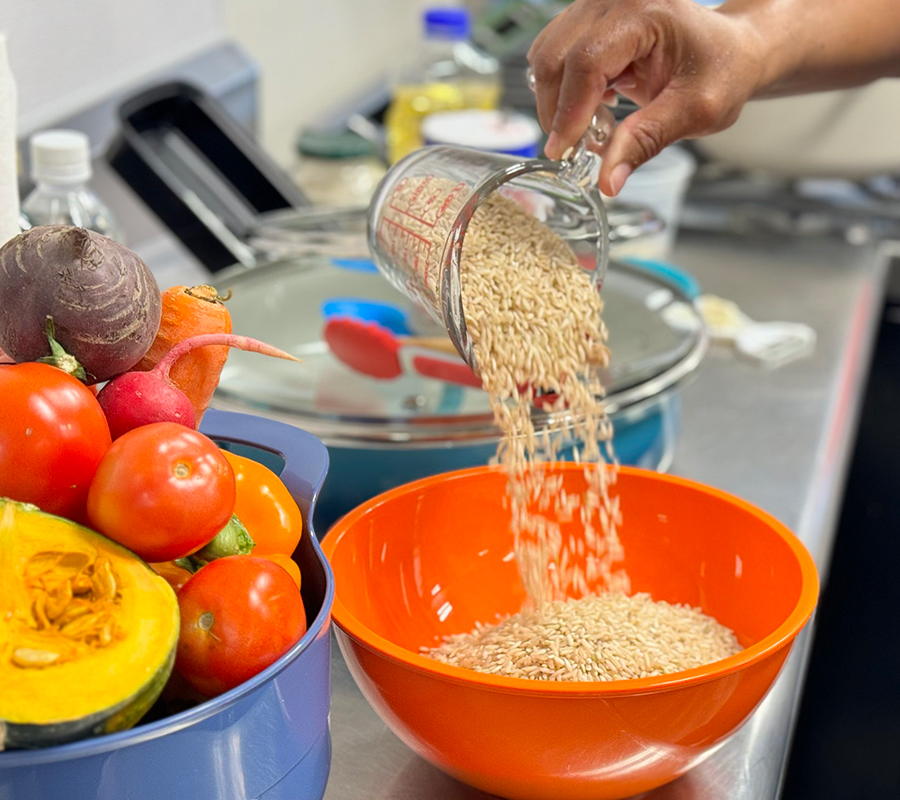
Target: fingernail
552 144
623 83
619 176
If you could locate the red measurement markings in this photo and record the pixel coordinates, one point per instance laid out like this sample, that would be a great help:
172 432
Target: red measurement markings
411 245
419 204
404 207
450 198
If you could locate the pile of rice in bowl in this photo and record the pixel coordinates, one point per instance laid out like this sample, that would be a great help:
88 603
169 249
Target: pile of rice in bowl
534 318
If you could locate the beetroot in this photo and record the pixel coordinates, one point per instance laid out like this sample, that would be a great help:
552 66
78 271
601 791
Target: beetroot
102 299
139 398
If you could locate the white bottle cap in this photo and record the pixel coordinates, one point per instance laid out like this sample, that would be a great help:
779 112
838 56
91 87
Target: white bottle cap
60 156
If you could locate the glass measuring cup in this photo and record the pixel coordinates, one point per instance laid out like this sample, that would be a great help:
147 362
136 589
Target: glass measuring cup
421 211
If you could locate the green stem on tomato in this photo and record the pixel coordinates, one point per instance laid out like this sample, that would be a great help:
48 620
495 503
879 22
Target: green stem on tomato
232 540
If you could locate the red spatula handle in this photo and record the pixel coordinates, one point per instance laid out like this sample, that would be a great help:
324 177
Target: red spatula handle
446 371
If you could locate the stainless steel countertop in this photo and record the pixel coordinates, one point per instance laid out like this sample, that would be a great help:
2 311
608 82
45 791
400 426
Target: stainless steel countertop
780 439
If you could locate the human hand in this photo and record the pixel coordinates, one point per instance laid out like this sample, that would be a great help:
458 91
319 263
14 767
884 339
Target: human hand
691 69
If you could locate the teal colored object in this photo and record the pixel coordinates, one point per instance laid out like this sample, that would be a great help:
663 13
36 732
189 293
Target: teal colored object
644 437
676 276
333 144
268 739
387 315
355 264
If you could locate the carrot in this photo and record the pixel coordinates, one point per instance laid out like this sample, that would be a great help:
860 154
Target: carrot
187 312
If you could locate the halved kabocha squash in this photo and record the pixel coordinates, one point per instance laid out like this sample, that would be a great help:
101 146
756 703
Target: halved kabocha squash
88 631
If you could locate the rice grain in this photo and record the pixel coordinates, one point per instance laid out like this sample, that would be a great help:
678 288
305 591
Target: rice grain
535 321
604 637
534 318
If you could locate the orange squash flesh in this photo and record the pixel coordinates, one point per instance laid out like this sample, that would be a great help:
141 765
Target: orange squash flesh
87 631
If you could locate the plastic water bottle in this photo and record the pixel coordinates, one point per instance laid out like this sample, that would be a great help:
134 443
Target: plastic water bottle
448 73
9 175
61 169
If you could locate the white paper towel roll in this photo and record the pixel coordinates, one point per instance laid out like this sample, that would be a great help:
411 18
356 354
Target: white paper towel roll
9 181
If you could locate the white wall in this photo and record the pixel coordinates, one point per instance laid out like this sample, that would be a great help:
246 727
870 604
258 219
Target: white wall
68 54
315 55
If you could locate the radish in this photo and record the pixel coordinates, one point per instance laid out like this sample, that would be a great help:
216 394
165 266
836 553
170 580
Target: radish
140 398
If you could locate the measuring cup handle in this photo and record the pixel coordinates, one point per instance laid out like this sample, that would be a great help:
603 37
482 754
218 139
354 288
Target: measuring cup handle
600 129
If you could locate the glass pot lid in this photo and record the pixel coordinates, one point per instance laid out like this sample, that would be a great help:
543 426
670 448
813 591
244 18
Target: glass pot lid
286 305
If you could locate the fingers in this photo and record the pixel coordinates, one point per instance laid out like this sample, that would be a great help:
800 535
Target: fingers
591 66
546 91
581 90
546 56
643 134
669 57
549 30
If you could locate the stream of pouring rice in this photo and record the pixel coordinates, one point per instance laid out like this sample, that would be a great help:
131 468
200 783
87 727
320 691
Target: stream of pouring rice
535 321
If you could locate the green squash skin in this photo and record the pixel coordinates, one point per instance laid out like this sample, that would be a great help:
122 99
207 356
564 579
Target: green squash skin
119 717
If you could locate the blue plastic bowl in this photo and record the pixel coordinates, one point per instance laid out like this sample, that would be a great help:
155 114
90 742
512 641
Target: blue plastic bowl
268 739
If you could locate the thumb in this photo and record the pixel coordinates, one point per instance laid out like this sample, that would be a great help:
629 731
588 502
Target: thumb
642 135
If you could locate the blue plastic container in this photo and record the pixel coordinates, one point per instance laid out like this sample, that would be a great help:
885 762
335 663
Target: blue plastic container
645 437
268 739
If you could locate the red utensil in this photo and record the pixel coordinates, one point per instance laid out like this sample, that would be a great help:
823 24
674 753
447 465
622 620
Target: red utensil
373 350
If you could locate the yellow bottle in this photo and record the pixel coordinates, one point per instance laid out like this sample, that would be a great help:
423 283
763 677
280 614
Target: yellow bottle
447 74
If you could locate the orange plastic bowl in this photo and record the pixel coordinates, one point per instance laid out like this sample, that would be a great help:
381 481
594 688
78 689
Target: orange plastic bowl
434 556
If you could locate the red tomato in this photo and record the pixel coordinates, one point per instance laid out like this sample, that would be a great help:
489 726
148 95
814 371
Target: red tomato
239 614
266 507
52 437
174 575
163 491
